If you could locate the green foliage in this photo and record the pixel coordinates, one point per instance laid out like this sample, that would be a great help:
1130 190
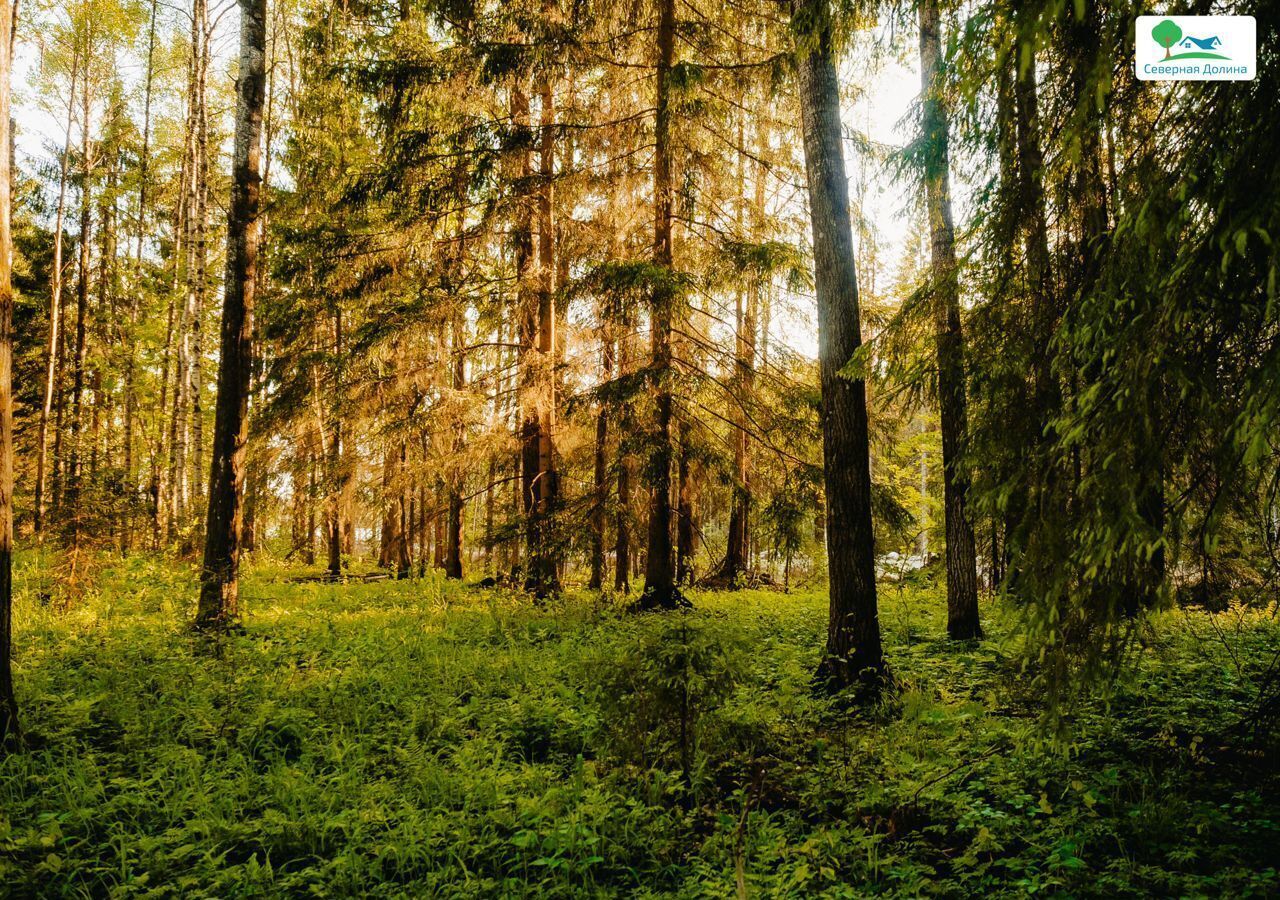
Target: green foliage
1166 33
418 739
658 696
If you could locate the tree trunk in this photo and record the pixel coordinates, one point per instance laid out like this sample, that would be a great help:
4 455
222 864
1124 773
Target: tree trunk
660 591
546 579
622 561
200 278
962 567
454 523
219 589
601 486
10 732
853 635
55 305
391 537
334 459
74 485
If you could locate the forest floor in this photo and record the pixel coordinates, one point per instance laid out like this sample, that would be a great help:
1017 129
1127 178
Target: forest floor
422 739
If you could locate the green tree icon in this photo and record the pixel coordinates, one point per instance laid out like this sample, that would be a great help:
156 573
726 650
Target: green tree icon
1167 33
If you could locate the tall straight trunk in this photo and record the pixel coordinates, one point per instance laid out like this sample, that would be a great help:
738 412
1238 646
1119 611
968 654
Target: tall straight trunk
58 464
686 508
299 471
600 497
9 728
389 534
199 274
177 344
626 471
660 590
312 487
334 456
130 400
403 560
545 568
853 634
107 312
527 336
454 523
74 473
962 566
746 309
219 588
491 476
55 305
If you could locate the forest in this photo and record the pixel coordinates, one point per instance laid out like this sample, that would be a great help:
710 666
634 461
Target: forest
643 448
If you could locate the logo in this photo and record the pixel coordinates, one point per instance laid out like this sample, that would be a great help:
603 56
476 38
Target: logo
1196 48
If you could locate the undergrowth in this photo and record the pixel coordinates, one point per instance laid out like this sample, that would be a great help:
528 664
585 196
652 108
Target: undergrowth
424 739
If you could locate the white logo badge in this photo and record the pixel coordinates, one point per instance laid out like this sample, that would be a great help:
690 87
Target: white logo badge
1196 48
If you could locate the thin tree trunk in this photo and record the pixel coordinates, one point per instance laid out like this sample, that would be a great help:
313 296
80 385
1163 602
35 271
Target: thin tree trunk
622 560
660 590
10 732
389 534
130 401
527 327
853 635
200 249
453 527
219 589
601 485
962 567
55 305
74 485
337 478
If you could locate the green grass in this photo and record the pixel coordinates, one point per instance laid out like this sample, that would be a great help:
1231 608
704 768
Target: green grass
419 739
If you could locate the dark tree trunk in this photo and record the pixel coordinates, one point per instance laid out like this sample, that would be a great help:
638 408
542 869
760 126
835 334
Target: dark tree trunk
10 732
622 521
601 485
686 510
390 538
453 526
52 370
537 342
853 636
219 588
74 473
660 590
962 568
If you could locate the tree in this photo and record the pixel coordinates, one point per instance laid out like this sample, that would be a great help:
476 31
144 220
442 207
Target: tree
660 591
219 585
1167 33
10 730
962 572
853 634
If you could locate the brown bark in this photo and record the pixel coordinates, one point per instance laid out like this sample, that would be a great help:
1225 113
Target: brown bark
962 569
660 591
622 560
537 339
391 548
853 635
334 458
600 485
74 473
219 588
10 732
737 556
55 305
454 521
